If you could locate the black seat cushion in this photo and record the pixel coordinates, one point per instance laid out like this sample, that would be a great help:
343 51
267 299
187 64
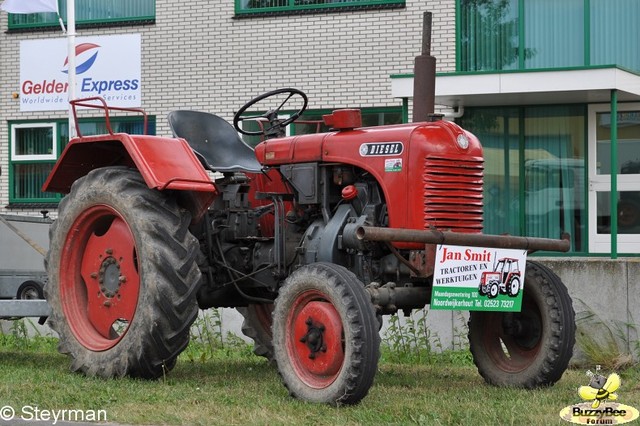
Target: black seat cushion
215 142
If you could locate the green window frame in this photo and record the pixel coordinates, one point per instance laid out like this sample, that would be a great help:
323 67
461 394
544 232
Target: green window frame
35 146
535 177
499 35
90 13
245 8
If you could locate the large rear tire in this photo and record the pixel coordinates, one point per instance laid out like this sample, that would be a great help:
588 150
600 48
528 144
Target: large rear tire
122 276
325 335
531 348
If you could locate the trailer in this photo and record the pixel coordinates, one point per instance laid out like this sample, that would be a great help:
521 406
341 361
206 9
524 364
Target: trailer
23 242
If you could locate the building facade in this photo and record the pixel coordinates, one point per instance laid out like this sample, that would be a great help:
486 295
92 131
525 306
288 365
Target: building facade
208 56
536 80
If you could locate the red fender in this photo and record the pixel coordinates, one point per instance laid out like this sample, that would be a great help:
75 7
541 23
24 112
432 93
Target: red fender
164 163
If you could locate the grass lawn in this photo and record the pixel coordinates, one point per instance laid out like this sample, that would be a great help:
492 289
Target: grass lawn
230 386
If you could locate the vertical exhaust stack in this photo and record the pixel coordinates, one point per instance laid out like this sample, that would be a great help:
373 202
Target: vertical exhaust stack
424 76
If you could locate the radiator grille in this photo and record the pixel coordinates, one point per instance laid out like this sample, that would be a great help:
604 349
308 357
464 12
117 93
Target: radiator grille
453 194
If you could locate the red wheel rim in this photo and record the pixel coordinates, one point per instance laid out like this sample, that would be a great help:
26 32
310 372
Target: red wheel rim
512 350
315 339
99 278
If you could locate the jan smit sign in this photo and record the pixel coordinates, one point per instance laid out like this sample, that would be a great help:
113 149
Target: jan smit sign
478 279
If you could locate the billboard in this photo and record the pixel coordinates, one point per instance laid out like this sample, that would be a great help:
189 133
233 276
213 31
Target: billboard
106 66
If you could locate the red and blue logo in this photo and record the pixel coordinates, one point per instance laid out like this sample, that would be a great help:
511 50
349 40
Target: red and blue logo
86 54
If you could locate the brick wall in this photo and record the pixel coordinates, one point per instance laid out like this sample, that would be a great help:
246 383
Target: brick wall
197 56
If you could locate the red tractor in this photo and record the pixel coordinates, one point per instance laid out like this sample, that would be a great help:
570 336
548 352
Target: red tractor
313 238
504 279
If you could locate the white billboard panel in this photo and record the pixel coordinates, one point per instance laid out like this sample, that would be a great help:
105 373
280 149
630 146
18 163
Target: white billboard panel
106 66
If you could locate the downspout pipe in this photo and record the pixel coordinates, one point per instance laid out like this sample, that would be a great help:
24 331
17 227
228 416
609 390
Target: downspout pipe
457 113
614 174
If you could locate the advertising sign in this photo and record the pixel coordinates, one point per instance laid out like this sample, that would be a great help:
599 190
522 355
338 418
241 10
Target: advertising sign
478 279
106 66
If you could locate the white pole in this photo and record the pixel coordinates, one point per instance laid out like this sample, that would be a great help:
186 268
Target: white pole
71 55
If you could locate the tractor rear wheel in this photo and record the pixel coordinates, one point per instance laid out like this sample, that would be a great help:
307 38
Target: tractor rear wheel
122 276
531 348
325 335
257 325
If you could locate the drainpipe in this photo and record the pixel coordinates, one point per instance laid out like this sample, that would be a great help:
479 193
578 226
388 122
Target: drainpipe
424 76
457 113
614 174
405 110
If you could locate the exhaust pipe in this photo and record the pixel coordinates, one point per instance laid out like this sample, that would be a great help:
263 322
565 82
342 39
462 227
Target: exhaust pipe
424 76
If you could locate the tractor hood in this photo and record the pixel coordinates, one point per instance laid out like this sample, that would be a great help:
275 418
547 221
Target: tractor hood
372 147
428 171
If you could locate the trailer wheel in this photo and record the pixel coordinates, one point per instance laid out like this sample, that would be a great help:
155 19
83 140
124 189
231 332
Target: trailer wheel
122 276
325 335
257 325
30 290
531 348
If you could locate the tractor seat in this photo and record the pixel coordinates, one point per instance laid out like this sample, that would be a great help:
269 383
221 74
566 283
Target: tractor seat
214 141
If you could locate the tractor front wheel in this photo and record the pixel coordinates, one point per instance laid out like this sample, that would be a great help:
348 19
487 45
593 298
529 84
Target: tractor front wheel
531 348
494 290
122 276
325 335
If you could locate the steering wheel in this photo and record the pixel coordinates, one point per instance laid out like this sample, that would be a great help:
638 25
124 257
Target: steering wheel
275 126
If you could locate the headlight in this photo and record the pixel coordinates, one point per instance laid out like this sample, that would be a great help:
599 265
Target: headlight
463 141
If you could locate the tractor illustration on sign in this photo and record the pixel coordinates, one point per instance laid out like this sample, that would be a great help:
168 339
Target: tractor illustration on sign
504 279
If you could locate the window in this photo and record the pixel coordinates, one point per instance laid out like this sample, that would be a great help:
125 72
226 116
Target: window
36 141
626 167
33 153
252 7
538 152
496 35
35 147
90 12
614 33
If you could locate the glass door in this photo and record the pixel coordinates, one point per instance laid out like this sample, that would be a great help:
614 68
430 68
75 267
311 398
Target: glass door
628 172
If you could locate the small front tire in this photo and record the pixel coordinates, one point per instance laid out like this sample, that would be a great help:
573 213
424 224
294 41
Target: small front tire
325 335
493 290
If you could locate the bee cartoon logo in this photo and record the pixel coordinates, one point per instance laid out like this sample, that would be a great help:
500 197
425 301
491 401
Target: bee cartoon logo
600 388
600 406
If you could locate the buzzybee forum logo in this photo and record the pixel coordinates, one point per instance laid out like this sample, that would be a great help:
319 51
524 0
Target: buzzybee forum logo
600 406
